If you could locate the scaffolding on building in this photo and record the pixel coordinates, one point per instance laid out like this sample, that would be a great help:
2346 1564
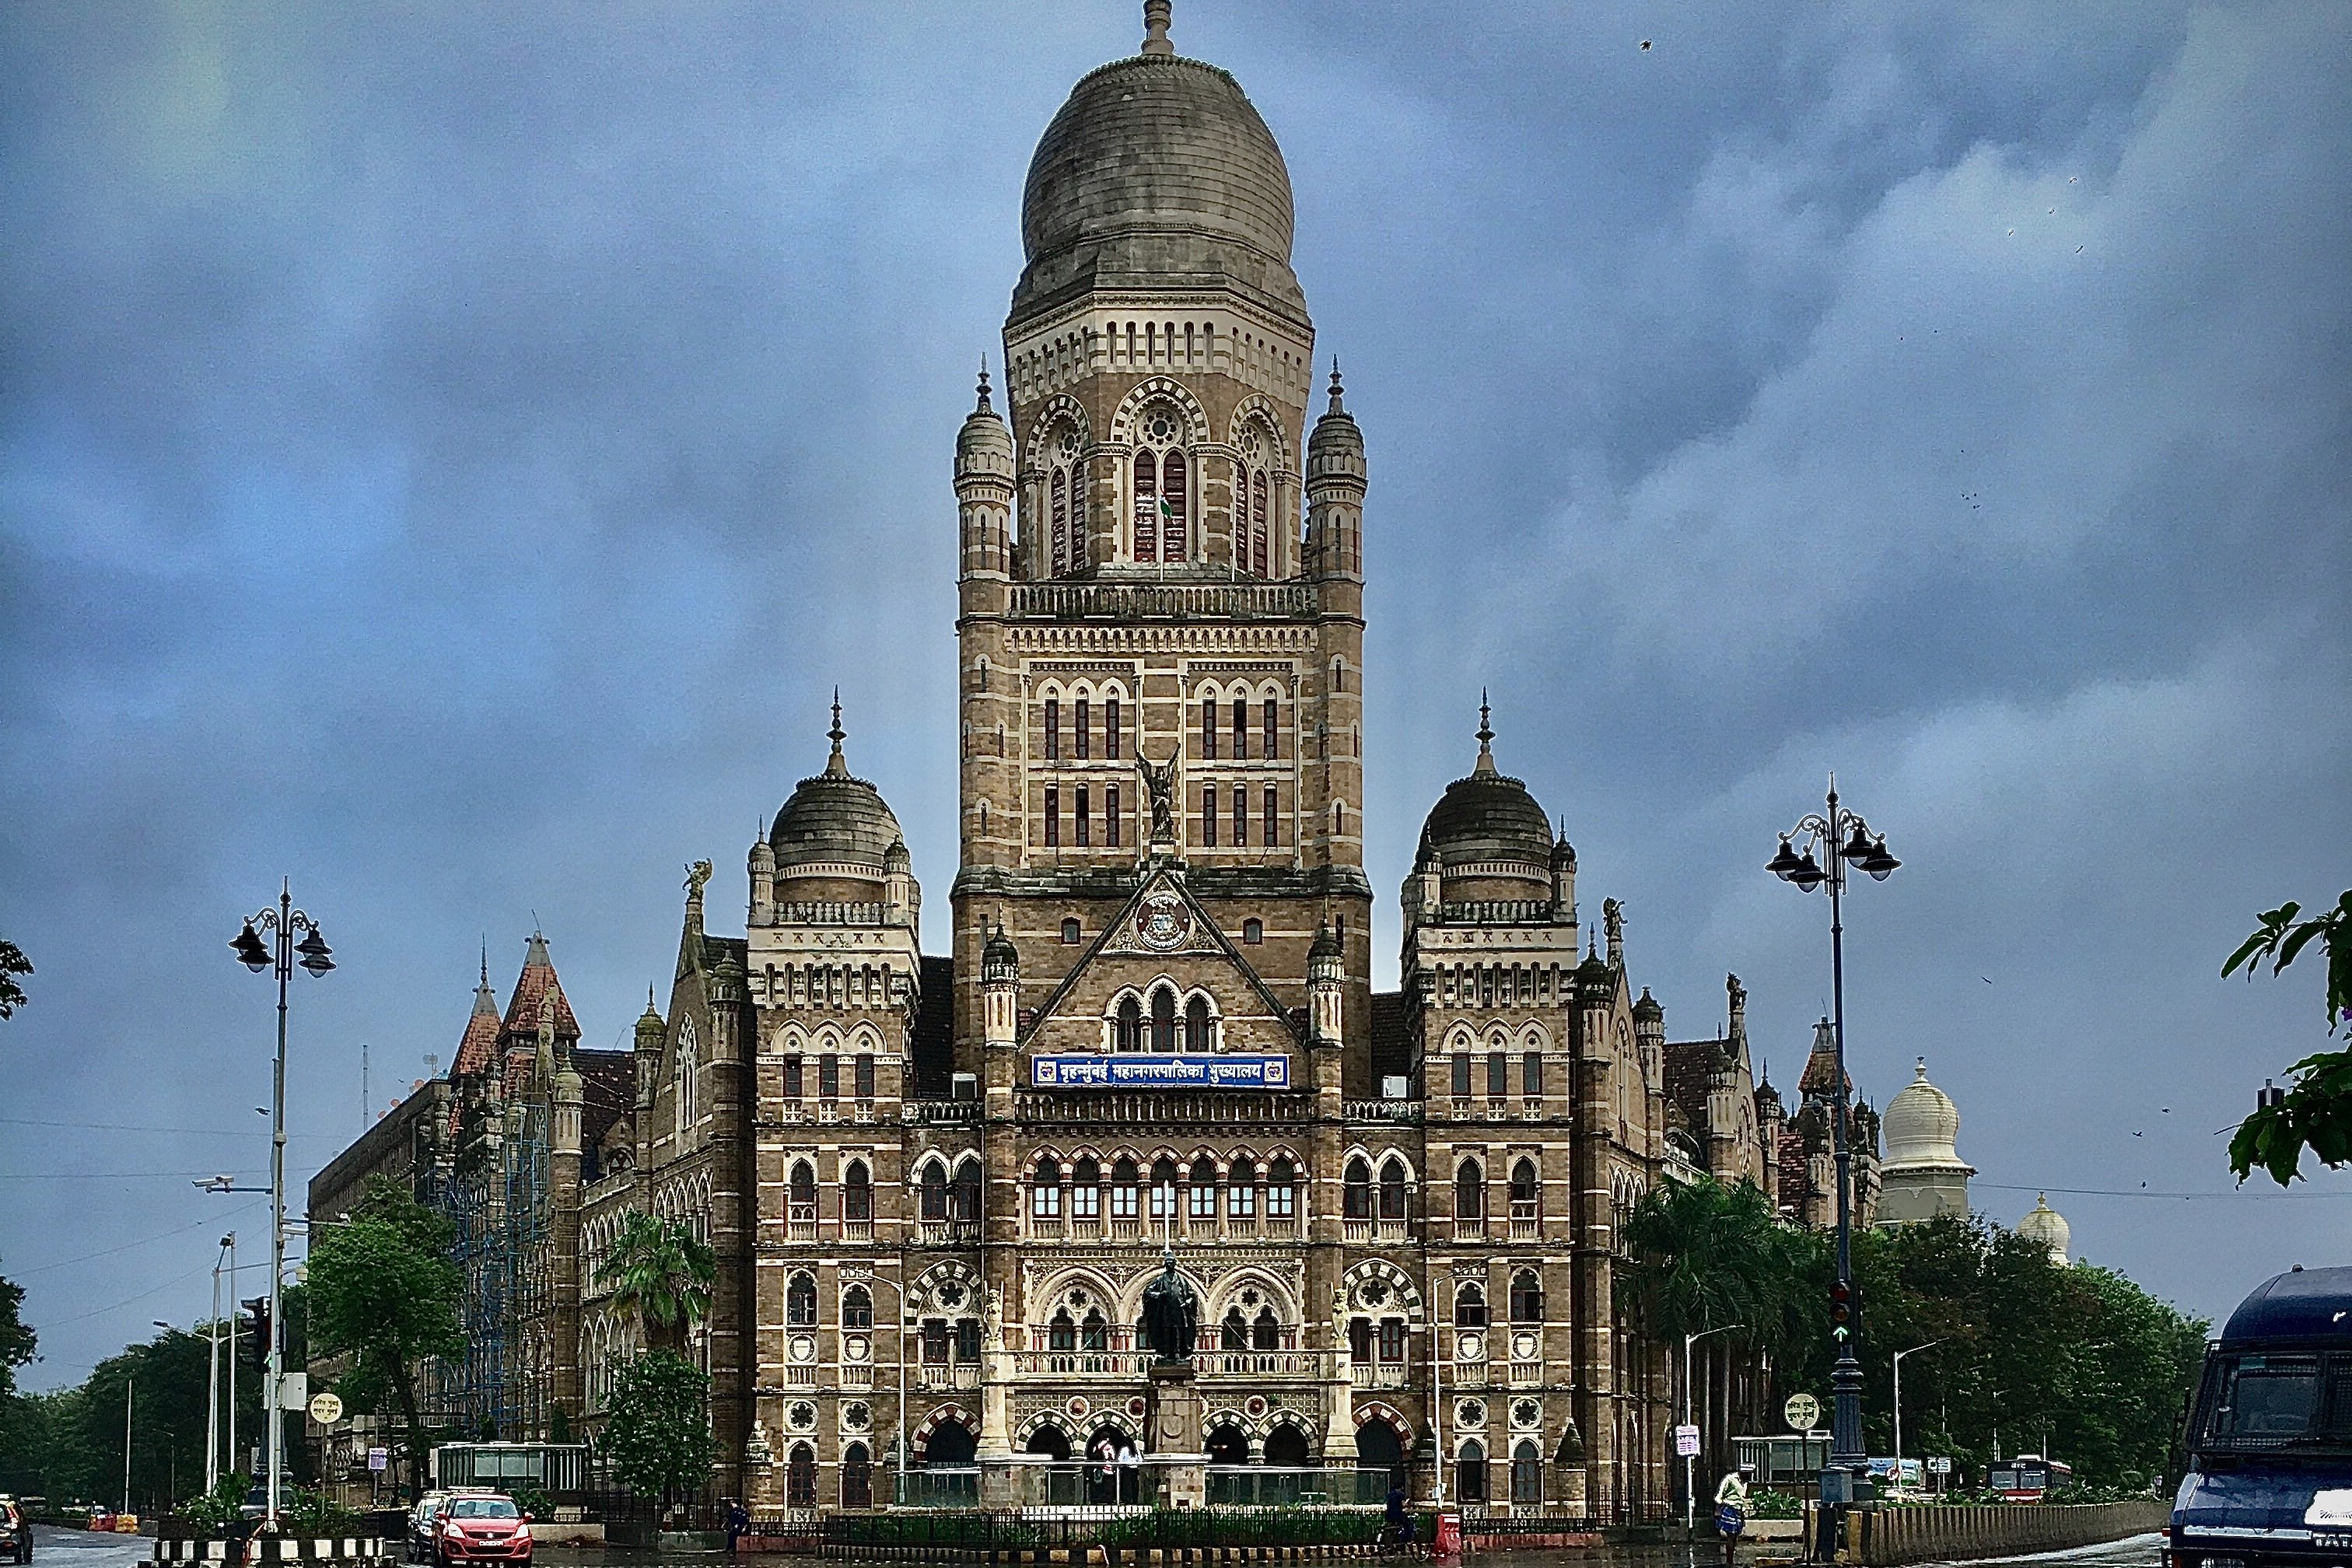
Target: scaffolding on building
494 1194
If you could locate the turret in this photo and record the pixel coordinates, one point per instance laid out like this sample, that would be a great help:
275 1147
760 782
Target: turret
1326 975
1335 492
763 865
1563 880
983 487
1000 988
902 900
651 1032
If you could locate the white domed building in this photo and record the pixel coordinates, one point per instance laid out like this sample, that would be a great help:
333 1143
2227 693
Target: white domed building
2047 1225
1923 1175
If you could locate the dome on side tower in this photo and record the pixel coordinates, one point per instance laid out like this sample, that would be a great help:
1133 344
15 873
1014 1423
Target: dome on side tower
1922 1125
1157 171
1490 839
834 838
2045 1225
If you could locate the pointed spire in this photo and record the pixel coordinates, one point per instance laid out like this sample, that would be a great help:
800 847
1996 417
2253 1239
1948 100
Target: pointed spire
836 765
1337 406
983 407
1155 28
1485 735
535 956
485 1000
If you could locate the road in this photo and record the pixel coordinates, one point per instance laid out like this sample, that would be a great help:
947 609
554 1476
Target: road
87 1548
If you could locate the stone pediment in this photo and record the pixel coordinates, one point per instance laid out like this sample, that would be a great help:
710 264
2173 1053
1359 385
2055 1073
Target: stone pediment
1162 928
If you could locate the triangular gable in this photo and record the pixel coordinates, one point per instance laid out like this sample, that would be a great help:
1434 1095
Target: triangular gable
1205 939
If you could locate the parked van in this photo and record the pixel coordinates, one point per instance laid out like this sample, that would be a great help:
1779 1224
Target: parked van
2269 1436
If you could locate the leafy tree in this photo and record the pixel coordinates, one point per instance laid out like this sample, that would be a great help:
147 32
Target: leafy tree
18 1340
662 1271
655 1431
2315 1112
12 962
383 1293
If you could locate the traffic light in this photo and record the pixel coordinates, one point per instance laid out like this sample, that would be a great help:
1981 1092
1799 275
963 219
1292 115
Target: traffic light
259 1327
1840 1311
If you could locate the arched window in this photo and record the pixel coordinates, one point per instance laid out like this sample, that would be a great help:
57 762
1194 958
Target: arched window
1233 1332
1062 1333
1393 1188
1201 1202
858 1308
1128 1035
1094 1332
1086 1189
1281 1188
1470 1472
856 1192
1527 1297
1469 1191
804 1190
800 1478
1253 932
963 1200
1163 1188
1527 1191
933 1188
1045 1190
1258 561
856 1476
1241 1188
1163 1021
1356 1190
1526 1473
799 1301
1266 1331
1067 492
1070 930
1470 1306
1163 490
1196 1025
1252 491
688 1076
1124 1181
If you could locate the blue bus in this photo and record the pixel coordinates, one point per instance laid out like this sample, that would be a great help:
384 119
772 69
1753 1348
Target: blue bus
2268 1433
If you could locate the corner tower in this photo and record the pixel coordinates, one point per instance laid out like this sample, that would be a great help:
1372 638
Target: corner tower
1157 567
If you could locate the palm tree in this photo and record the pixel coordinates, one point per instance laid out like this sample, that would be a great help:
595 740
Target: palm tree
662 1271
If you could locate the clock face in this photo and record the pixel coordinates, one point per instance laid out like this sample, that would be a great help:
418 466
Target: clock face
1163 922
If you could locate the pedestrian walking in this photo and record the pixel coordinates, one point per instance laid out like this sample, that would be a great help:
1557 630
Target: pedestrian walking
1731 1511
738 1524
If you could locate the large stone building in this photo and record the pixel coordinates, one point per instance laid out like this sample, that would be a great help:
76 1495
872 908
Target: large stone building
937 1186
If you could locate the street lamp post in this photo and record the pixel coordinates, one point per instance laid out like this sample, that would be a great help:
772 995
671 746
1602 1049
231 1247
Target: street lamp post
281 922
1844 839
212 1381
1898 1402
1690 1461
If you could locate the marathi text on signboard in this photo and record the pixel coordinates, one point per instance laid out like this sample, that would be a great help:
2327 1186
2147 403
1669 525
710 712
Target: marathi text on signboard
1130 1071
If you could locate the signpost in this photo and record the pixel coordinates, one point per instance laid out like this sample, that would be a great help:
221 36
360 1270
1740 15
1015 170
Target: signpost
1800 1411
326 1408
379 1459
1686 1442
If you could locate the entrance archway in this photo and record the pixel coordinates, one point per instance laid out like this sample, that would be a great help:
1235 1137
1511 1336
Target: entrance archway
1050 1441
950 1443
1286 1447
1377 1448
1228 1445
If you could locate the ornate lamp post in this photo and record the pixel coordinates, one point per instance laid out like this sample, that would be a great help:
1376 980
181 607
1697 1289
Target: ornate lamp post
1844 839
281 922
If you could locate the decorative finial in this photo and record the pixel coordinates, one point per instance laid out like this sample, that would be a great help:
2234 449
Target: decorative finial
1920 1072
486 960
1336 406
983 407
1155 28
836 765
1486 734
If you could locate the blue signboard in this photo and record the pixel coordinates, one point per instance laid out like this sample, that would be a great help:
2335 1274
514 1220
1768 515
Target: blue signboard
1130 1071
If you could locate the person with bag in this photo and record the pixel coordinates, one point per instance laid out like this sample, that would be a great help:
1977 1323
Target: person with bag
1731 1511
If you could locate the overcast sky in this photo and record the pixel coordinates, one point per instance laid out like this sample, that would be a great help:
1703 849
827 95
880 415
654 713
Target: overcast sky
448 455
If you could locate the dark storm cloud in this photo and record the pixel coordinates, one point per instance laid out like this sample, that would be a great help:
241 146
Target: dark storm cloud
451 456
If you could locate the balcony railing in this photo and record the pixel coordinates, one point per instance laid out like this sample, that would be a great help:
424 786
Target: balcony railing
1117 601
1525 1228
1470 1229
1045 1227
1355 1230
1390 1228
1261 1364
857 1230
939 1112
951 1232
1381 1111
947 1377
1527 1373
1098 1365
856 1374
800 1375
1379 1373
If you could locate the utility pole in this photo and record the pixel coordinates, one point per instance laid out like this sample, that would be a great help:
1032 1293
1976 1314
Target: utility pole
212 1384
129 1379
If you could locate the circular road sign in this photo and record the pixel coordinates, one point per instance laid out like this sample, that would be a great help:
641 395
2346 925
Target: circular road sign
1801 1410
326 1409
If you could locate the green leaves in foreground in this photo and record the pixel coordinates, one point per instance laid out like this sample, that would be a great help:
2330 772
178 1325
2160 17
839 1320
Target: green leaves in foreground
655 1431
2316 1111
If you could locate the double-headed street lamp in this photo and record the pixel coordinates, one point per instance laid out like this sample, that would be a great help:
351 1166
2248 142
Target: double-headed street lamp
1842 839
1690 1461
256 955
1915 1350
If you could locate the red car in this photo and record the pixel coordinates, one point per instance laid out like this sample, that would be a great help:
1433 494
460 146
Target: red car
481 1529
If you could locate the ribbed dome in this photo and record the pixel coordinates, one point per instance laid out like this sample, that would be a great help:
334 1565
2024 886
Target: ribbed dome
2046 1226
1157 172
1922 1125
835 820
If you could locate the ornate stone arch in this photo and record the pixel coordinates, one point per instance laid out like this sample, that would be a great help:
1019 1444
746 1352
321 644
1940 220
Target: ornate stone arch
1257 411
1394 1285
1370 1410
1231 1285
1061 409
920 1439
1042 1421
931 1285
1160 389
1130 1298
